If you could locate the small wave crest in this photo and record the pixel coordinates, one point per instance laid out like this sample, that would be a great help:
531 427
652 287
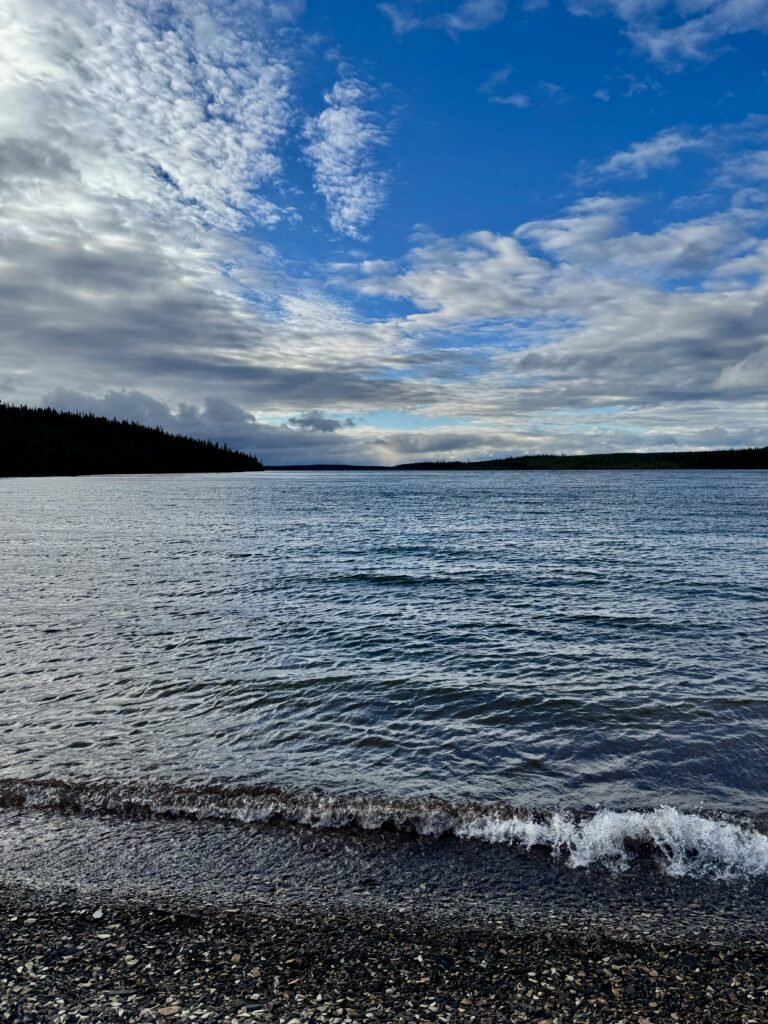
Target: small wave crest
681 843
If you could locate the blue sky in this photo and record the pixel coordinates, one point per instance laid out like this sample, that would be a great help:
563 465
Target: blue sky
344 230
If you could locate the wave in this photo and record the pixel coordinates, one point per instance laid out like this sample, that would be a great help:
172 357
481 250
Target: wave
679 842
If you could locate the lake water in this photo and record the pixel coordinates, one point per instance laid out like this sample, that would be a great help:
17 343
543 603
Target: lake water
567 659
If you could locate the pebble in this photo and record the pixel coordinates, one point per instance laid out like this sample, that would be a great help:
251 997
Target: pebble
301 966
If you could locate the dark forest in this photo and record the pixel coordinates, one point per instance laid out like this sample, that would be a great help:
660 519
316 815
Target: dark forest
44 442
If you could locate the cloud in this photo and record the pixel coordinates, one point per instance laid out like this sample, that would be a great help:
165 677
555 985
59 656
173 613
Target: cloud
598 328
142 169
192 114
141 165
693 37
671 31
495 79
553 91
660 152
668 31
602 94
469 16
664 150
472 15
225 421
548 92
315 420
635 86
515 99
340 145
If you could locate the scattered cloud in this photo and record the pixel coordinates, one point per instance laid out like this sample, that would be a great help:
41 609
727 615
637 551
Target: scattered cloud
495 79
667 31
634 86
472 15
664 150
587 319
340 145
548 92
673 31
660 152
190 115
553 91
602 94
142 174
469 16
515 99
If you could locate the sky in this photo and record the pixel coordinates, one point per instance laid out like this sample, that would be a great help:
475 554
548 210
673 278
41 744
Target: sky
376 232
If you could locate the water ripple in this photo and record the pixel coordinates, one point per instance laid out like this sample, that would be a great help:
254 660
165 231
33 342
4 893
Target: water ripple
536 638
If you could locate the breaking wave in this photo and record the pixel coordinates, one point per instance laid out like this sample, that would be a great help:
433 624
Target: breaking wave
679 842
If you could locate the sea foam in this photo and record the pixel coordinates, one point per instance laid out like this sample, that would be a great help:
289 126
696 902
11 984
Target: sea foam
678 842
682 843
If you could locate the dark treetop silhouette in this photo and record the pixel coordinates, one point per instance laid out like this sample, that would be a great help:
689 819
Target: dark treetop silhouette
44 442
732 458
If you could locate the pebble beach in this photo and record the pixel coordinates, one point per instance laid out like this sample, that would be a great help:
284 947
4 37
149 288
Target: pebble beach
64 959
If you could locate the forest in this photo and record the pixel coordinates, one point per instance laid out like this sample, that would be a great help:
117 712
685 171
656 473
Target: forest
44 442
730 458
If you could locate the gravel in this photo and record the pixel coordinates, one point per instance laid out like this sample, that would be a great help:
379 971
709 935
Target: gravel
67 960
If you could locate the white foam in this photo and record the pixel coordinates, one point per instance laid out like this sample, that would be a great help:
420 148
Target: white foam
681 843
685 844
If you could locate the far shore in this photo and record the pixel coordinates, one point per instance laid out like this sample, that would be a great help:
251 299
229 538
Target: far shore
731 458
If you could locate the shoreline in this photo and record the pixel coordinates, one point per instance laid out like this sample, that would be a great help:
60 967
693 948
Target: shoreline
69 956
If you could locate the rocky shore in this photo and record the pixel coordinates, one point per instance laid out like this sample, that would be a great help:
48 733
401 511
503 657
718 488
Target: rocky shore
67 959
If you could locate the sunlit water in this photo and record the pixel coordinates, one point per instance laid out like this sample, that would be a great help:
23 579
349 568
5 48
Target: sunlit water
547 640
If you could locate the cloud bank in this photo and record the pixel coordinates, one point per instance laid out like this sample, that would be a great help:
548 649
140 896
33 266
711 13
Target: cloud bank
146 197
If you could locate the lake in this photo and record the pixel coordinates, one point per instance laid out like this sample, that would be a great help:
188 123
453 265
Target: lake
485 654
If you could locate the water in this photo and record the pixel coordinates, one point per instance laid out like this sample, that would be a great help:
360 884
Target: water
498 655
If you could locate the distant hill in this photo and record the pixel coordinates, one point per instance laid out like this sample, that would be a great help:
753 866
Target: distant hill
731 458
44 442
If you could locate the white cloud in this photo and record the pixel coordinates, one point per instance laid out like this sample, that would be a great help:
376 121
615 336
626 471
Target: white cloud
340 145
402 19
469 16
192 114
495 79
665 149
670 31
660 152
515 99
472 15
132 153
547 92
578 314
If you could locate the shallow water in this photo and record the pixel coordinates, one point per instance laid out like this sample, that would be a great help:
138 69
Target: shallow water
544 640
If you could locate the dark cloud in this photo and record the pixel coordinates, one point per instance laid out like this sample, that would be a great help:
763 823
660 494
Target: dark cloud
222 421
317 421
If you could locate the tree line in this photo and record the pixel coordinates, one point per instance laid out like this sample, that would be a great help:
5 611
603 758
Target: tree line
731 458
45 442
